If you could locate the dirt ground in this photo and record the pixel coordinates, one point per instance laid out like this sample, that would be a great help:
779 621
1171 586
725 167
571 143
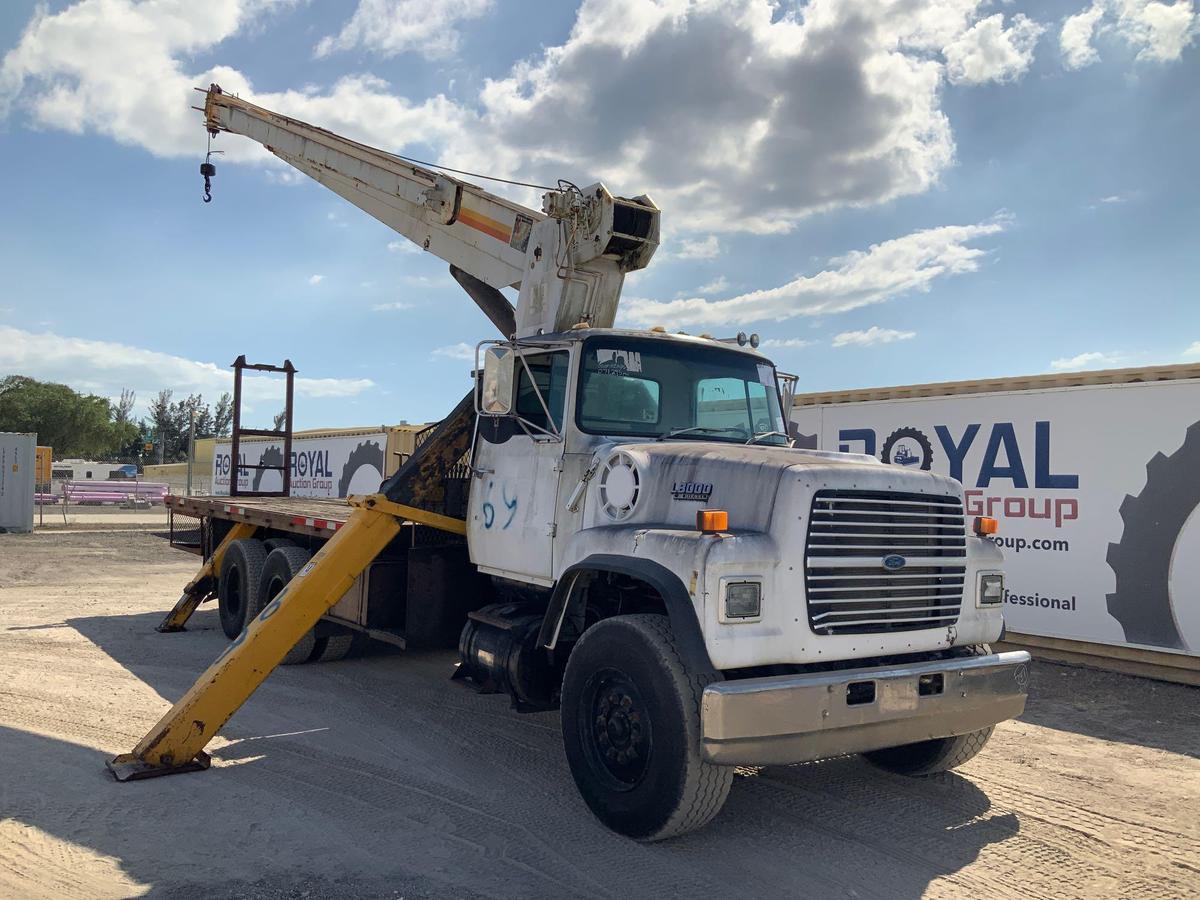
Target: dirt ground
74 516
377 777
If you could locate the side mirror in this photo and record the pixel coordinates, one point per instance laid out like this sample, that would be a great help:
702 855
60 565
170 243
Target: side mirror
787 394
496 388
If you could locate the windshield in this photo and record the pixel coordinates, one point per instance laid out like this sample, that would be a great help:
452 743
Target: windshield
659 389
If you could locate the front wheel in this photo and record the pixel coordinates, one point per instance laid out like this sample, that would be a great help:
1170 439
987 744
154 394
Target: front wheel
928 757
631 730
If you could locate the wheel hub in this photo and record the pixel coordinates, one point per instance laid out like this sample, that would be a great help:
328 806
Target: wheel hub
620 729
233 594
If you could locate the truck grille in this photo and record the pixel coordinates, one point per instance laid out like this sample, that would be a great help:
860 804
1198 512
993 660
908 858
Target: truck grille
851 533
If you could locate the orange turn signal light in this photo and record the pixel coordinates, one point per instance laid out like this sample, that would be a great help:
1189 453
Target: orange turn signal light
711 521
986 525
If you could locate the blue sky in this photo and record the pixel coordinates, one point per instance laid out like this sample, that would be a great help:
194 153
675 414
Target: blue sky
889 194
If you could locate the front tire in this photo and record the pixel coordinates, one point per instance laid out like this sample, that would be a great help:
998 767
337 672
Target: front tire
631 730
930 757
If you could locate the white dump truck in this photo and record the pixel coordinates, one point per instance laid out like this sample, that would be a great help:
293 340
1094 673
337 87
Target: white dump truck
644 548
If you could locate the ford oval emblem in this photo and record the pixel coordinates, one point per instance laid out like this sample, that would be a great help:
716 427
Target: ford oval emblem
894 562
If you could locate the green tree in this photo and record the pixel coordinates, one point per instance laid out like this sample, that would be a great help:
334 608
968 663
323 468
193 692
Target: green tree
122 410
223 416
73 424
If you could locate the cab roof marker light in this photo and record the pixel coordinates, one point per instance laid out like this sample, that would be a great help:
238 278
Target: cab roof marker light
742 339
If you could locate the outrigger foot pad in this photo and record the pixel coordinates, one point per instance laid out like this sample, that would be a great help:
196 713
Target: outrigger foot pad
128 767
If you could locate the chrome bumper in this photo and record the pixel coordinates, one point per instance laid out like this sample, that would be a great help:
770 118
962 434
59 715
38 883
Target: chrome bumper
797 718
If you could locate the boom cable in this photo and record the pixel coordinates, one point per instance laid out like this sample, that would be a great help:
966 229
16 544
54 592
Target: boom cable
434 165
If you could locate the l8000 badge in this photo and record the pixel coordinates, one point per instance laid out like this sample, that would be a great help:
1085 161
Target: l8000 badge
692 490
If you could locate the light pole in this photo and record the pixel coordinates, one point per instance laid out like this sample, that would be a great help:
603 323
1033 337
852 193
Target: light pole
191 447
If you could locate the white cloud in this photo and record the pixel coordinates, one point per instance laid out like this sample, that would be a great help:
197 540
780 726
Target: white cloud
285 177
987 51
118 68
392 307
105 367
1160 32
1193 350
701 248
871 336
785 343
715 286
315 279
456 351
1092 360
390 27
1075 39
797 111
403 247
860 278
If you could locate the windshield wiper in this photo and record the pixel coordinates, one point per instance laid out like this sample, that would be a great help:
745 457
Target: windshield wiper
763 434
675 432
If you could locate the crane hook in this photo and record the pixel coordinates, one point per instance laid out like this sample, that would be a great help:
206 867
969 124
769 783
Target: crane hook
208 170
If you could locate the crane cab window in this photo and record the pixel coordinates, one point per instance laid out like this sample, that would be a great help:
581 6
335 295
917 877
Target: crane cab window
549 371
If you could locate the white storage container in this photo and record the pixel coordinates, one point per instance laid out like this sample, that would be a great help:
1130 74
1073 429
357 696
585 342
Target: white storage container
18 454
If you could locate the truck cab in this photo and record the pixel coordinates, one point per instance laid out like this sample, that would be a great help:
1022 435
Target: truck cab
828 603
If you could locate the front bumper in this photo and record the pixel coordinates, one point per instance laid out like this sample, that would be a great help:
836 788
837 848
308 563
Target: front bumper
797 718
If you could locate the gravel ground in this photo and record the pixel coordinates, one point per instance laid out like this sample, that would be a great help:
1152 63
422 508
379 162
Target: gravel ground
376 777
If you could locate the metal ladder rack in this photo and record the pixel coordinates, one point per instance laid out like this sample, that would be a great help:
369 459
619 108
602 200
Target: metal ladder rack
238 432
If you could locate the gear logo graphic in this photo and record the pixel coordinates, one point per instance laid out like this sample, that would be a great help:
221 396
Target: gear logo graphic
367 456
1141 561
272 456
907 447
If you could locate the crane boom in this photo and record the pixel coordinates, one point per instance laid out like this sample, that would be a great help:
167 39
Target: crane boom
569 260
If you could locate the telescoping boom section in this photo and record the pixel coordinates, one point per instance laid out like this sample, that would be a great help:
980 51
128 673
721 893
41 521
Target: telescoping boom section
568 260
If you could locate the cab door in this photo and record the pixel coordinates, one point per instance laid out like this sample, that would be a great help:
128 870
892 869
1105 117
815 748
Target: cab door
518 462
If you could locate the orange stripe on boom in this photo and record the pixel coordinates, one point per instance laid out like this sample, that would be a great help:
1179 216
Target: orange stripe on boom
486 224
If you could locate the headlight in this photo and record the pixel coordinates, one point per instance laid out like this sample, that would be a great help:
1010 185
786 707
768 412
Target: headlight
991 589
743 600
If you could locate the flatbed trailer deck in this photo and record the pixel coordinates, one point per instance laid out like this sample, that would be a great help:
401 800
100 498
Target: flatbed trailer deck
392 601
298 515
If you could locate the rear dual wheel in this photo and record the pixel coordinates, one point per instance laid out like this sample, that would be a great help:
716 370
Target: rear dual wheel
238 585
280 568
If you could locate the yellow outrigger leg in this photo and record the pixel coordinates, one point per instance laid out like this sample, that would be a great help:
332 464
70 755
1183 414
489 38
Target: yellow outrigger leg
177 742
205 582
